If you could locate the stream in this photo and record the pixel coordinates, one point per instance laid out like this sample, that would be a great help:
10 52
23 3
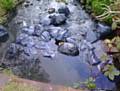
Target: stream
56 43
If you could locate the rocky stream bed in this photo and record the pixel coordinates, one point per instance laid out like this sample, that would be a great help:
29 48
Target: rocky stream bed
57 43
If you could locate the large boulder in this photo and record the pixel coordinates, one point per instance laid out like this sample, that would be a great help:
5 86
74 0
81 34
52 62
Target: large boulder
3 34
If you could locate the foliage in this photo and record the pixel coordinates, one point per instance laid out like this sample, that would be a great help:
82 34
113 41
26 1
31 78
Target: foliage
65 1
7 5
104 57
105 10
7 72
89 83
111 71
113 43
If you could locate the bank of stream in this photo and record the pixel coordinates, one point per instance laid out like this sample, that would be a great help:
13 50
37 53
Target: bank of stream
58 43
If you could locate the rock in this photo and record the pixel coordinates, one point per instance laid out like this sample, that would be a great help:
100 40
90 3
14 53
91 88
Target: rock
58 33
46 21
56 5
54 31
57 19
20 38
74 39
103 31
51 10
68 49
38 30
45 36
28 30
3 34
91 36
30 51
64 10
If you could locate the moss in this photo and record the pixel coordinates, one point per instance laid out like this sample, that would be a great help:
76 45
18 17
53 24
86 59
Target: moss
15 86
7 72
6 6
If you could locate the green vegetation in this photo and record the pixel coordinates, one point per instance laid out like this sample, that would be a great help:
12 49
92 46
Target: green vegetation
107 11
7 72
6 6
89 83
16 86
104 10
65 1
111 72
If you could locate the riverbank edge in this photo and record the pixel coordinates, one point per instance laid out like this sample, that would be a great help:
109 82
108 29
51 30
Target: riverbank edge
40 86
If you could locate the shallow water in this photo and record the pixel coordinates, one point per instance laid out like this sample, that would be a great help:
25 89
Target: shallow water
33 58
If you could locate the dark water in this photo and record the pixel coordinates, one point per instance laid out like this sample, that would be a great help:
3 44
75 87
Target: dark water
31 57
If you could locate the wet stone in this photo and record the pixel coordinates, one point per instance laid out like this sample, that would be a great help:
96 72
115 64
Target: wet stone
57 19
58 33
28 30
14 50
54 31
30 51
45 36
63 34
3 34
64 10
46 21
74 39
51 10
38 30
103 31
69 49
91 36
21 38
27 41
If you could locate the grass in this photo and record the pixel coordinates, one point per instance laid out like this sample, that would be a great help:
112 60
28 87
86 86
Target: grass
5 7
7 72
16 86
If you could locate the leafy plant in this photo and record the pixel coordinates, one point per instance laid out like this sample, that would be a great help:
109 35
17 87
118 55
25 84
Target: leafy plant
105 10
104 57
113 43
89 83
111 71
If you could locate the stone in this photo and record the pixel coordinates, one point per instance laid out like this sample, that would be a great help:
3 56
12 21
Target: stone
64 10
91 36
28 30
54 31
46 21
69 49
45 36
103 31
38 30
3 34
57 19
58 33
20 38
51 10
